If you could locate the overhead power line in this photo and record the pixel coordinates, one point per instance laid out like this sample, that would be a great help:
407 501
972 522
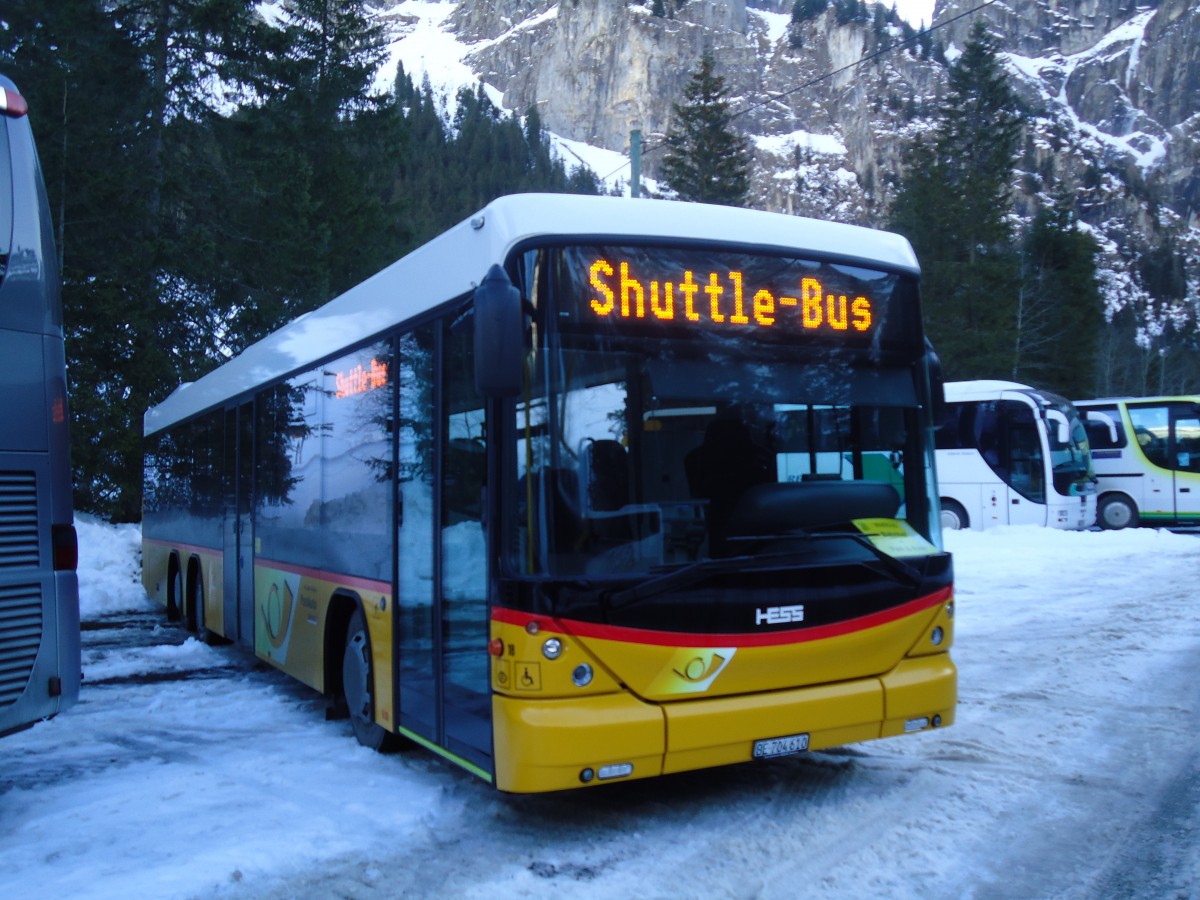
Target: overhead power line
648 148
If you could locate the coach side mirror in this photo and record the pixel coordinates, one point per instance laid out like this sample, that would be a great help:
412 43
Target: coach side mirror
1062 428
1109 423
499 335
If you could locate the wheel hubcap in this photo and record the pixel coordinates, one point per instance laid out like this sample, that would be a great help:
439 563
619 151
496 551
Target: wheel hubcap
1117 515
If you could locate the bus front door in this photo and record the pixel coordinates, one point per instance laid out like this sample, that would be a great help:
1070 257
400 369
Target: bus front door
1161 483
442 609
1185 460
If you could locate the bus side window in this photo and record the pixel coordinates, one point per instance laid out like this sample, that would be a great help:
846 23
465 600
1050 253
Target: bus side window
1150 428
956 421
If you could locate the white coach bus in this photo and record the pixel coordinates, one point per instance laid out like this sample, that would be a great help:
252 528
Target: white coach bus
1009 454
1146 451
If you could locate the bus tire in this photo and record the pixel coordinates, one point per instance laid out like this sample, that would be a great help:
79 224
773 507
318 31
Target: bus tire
196 610
358 679
175 611
954 517
1116 511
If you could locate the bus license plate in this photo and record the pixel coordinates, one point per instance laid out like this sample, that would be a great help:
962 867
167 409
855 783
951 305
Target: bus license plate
780 746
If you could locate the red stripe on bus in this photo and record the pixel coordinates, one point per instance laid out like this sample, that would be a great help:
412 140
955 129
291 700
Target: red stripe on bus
691 639
354 581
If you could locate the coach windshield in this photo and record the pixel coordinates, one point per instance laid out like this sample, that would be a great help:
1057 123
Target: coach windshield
689 405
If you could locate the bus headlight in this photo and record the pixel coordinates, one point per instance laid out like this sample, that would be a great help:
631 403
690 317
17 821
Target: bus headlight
582 676
936 637
552 649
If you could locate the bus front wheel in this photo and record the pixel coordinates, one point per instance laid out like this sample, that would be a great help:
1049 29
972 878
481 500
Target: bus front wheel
358 682
195 618
1116 511
954 517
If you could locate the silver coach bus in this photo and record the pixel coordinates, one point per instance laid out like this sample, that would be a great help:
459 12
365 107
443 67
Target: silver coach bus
39 590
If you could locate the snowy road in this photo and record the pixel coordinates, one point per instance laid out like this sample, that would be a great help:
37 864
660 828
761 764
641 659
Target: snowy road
192 771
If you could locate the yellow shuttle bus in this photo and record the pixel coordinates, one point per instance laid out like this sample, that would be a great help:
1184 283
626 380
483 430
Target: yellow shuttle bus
533 496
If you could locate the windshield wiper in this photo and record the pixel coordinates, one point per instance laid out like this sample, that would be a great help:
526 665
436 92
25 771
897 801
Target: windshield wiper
898 569
689 574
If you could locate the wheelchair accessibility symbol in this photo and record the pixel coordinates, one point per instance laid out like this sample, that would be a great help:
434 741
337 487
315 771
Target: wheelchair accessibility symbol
528 676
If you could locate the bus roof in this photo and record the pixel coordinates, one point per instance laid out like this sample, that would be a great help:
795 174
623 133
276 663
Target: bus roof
982 389
450 266
1163 398
990 389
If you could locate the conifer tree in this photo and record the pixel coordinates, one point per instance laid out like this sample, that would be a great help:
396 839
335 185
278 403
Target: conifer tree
334 48
189 224
803 11
1059 311
66 57
954 204
707 161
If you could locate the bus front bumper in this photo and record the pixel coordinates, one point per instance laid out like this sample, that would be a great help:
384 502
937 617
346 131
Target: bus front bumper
548 745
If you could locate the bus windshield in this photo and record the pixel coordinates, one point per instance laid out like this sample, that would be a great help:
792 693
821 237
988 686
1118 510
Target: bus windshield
684 406
1070 454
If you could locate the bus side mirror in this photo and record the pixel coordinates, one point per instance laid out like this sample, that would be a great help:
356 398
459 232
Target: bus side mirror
1106 420
499 332
937 383
1063 427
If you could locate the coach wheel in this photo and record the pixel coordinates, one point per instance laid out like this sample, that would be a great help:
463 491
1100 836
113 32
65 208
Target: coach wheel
358 686
175 601
1116 511
954 517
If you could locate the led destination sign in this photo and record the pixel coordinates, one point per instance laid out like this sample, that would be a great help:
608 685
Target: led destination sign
724 298
360 379
654 290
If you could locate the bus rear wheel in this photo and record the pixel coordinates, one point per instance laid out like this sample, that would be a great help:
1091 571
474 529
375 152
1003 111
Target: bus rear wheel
358 680
1116 511
175 611
954 517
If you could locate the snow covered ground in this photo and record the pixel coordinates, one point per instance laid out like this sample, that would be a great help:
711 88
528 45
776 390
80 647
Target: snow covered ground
192 771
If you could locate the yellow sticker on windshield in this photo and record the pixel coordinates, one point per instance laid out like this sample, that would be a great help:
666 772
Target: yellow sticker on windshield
895 537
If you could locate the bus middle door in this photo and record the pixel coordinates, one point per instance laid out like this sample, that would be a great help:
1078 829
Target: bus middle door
1185 461
239 526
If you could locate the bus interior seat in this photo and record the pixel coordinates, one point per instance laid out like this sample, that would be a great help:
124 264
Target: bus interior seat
776 509
606 465
611 515
563 525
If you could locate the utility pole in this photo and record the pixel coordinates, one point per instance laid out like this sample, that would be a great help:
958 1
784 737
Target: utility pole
635 161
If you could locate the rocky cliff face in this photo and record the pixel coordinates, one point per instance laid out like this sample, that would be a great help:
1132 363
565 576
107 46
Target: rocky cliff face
1112 88
596 67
